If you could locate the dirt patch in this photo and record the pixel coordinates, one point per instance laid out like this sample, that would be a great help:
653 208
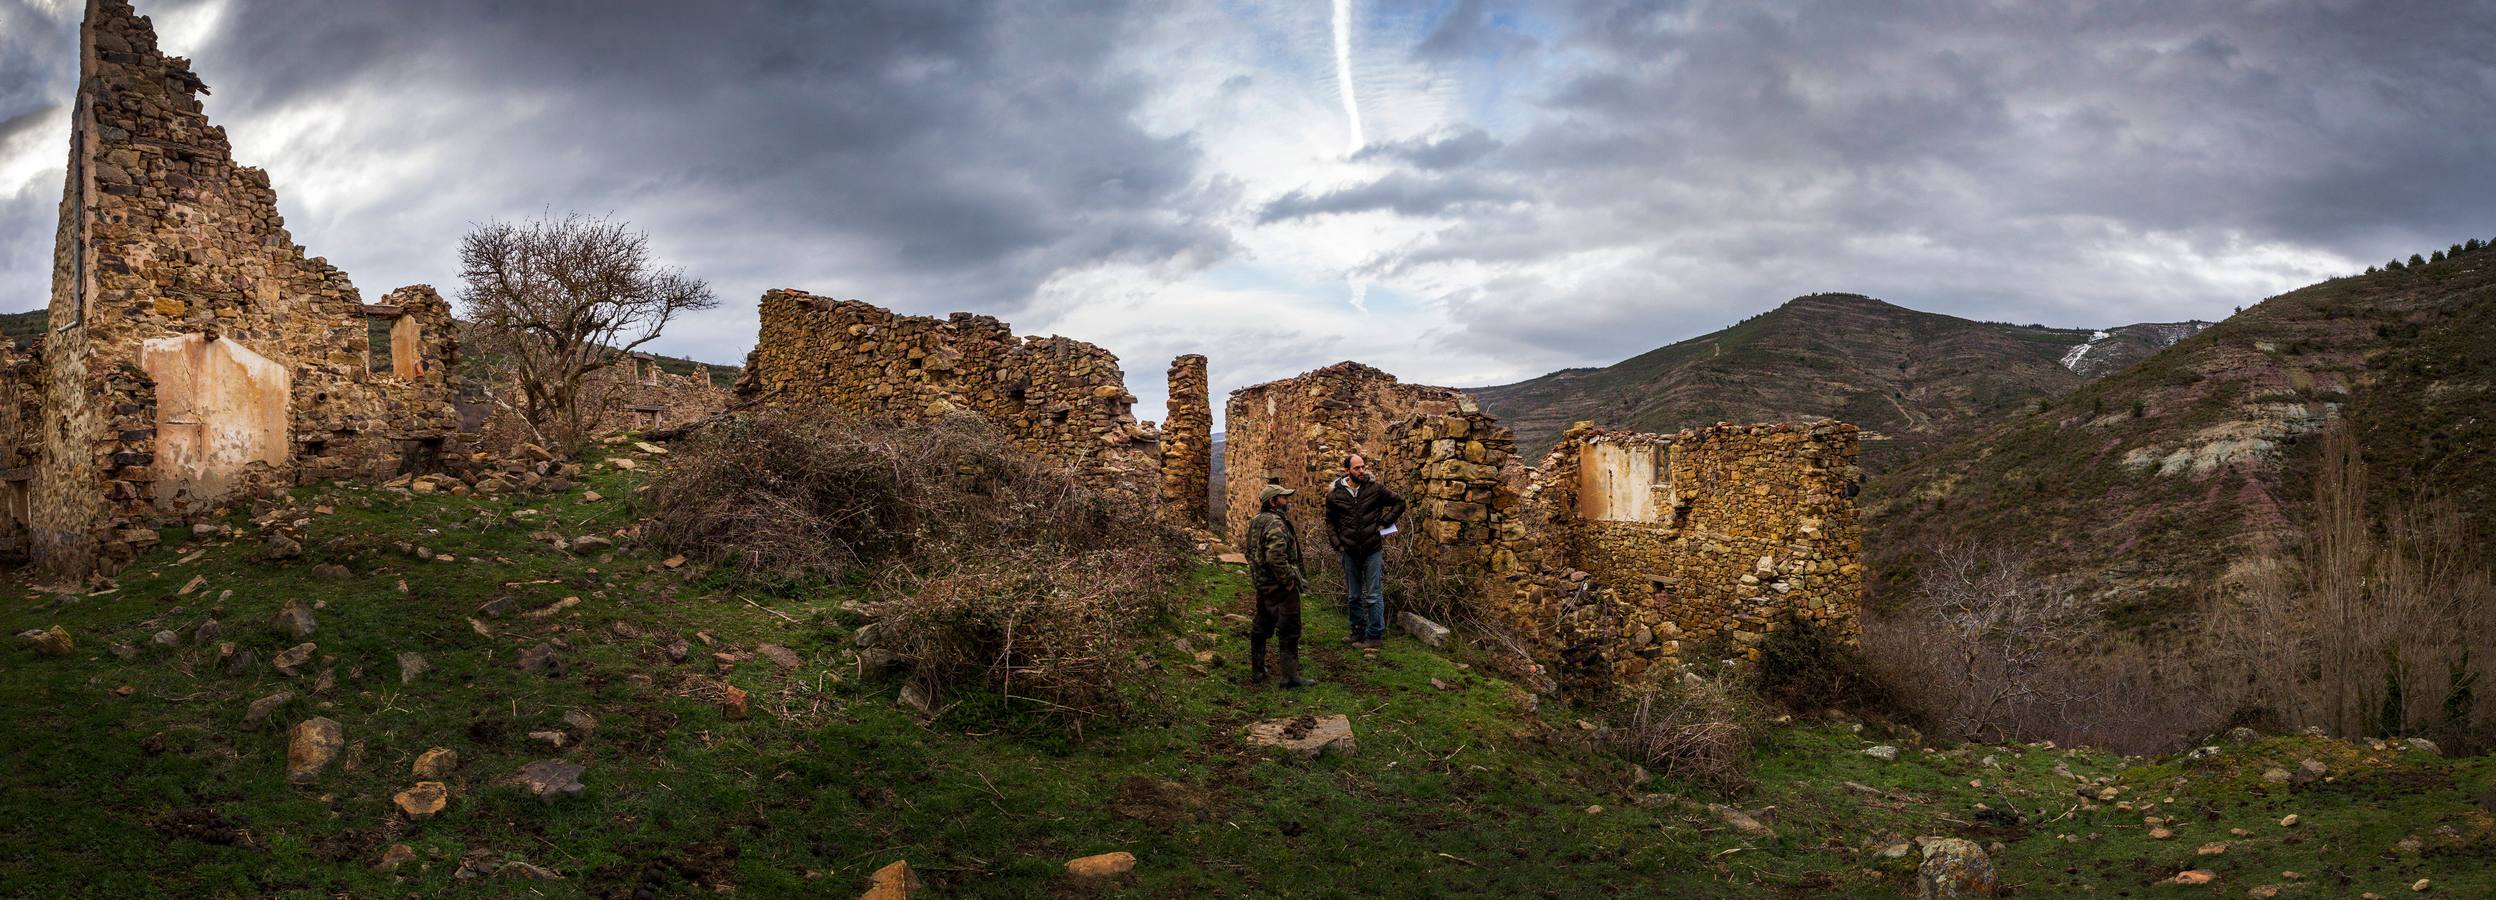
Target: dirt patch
1161 803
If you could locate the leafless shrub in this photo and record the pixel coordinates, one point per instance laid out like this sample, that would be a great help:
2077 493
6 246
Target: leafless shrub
2373 626
989 566
1983 647
1699 729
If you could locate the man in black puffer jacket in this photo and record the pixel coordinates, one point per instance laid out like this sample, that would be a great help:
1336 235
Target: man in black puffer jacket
1358 510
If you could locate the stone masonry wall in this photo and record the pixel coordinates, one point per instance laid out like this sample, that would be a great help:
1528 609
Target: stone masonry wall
1294 432
162 237
1614 573
1187 445
1062 399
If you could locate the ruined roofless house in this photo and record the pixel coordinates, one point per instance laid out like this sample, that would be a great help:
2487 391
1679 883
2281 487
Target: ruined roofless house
1057 398
194 353
1617 556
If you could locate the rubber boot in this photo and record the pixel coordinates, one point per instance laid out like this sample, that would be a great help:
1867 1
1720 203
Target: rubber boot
1256 662
1291 669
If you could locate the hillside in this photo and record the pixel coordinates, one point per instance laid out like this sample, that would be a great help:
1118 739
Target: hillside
2143 486
1917 378
141 769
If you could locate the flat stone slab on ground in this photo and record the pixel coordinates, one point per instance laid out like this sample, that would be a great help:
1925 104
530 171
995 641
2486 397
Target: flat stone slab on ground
551 779
1306 735
1424 630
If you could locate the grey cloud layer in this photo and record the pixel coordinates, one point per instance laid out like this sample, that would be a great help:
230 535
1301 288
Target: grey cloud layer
1636 172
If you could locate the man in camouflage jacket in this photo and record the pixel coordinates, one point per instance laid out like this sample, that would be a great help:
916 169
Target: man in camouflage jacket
1274 566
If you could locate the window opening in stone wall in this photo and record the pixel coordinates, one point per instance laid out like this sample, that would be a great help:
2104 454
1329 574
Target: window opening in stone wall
377 347
1618 482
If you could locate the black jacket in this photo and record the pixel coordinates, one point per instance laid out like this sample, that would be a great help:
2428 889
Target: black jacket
1353 517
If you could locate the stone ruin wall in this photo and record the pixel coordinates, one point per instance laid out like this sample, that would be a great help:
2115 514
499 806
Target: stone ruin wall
633 394
171 256
1294 432
1619 556
1061 399
1187 445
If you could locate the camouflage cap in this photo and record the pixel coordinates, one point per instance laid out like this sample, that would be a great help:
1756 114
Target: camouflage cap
1272 491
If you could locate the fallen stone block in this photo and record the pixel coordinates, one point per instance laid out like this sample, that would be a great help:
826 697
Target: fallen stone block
1306 735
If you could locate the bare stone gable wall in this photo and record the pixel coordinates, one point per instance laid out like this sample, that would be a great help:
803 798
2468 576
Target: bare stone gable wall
193 351
1062 399
1187 445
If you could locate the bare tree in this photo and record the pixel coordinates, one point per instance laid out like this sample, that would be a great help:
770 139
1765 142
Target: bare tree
556 300
2374 625
1985 647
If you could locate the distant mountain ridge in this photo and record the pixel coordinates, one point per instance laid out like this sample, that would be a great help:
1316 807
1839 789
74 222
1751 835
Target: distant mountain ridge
1916 378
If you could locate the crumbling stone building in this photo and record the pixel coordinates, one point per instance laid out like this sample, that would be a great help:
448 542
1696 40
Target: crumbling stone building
632 394
1619 555
1059 398
1187 445
194 353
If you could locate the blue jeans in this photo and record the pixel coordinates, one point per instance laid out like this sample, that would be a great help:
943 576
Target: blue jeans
1365 593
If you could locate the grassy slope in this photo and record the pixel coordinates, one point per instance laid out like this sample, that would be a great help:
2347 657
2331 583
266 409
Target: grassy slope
2402 349
1459 791
1915 376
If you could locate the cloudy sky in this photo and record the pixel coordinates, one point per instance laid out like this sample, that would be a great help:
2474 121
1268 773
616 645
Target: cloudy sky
1459 191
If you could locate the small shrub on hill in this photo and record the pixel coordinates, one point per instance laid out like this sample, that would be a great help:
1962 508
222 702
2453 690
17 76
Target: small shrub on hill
1808 668
1698 729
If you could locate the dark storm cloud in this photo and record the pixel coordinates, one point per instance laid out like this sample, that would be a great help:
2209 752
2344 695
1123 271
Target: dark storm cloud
2067 163
923 155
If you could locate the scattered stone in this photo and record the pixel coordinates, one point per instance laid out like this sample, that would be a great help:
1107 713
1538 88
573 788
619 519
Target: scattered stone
412 665
2422 745
1954 867
555 739
436 763
2214 848
53 641
423 799
1236 559
588 544
166 640
331 570
479 863
2276 775
2194 876
2160 833
236 661
1306 735
2263 891
918 698
580 722
2420 886
1742 822
123 651
2290 821
208 632
1424 630
1895 851
1884 753
592 496
1105 865
2310 771
678 649
678 562
553 608
541 658
398 853
261 709
292 658
732 703
295 620
495 608
551 779
893 882
324 682
781 656
314 743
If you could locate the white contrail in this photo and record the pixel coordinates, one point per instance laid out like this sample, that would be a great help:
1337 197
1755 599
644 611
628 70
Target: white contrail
1343 73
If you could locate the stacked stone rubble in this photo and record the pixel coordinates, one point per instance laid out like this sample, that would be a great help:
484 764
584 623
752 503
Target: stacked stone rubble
169 253
1187 445
1061 399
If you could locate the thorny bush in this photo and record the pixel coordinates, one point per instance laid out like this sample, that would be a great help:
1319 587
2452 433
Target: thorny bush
987 566
1700 728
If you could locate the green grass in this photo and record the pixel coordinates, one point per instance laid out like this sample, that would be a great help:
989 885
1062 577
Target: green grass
1470 790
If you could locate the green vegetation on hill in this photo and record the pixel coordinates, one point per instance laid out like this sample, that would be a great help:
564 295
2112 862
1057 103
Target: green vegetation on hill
22 328
2141 487
137 776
